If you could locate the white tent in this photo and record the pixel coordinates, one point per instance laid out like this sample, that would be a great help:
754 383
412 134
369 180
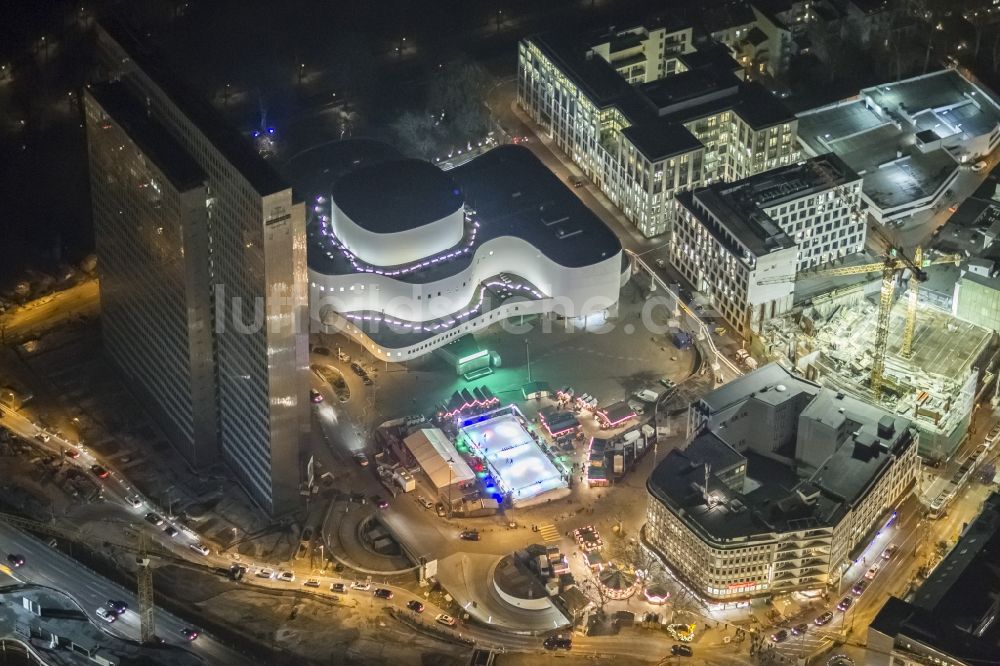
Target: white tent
432 450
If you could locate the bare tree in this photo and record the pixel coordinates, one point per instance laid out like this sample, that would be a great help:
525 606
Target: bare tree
417 132
456 95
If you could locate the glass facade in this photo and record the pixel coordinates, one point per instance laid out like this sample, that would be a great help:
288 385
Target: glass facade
256 279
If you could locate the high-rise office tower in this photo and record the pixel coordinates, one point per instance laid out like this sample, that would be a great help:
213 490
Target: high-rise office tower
247 258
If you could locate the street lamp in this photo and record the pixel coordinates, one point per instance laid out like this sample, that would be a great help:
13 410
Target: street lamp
450 462
527 354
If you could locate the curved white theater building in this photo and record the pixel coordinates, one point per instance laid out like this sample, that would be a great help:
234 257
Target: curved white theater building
412 257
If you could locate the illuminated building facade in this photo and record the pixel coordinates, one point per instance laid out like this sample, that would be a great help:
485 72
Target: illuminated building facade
250 256
781 486
645 115
742 243
414 257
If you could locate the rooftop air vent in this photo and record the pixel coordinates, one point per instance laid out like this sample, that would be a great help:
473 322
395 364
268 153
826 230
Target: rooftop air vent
886 427
780 388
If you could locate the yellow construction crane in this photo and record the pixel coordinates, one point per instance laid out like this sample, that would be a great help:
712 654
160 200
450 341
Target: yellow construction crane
895 260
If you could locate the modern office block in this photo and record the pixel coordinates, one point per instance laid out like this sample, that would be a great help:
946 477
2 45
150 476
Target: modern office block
255 275
781 486
151 228
742 243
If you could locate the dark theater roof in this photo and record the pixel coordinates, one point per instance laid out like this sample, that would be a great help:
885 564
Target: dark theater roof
514 194
398 195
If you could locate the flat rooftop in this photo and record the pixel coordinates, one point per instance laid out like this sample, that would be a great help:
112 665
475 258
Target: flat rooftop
740 205
773 496
657 140
708 87
151 137
235 148
937 91
777 186
397 195
514 194
595 77
910 179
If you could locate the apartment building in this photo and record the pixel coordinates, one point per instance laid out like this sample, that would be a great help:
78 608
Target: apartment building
780 487
742 243
252 268
645 115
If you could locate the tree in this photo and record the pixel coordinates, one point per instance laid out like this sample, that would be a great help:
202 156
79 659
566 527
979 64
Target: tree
417 132
456 92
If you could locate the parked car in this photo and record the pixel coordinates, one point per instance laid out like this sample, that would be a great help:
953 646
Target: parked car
199 548
311 583
363 585
383 593
170 531
133 501
557 643
823 618
424 502
287 576
681 650
439 508
71 453
357 369
889 551
873 571
415 606
344 358
845 603
859 588
800 629
106 615
338 587
667 382
265 573
444 618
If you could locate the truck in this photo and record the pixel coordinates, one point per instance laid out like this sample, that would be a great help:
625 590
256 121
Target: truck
682 339
646 395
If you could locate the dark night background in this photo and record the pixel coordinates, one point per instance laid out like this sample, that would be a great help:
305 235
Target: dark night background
258 46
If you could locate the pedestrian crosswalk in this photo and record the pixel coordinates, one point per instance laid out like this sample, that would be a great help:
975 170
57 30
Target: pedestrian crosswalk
549 532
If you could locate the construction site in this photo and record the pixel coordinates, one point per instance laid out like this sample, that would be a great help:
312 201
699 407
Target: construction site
915 359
